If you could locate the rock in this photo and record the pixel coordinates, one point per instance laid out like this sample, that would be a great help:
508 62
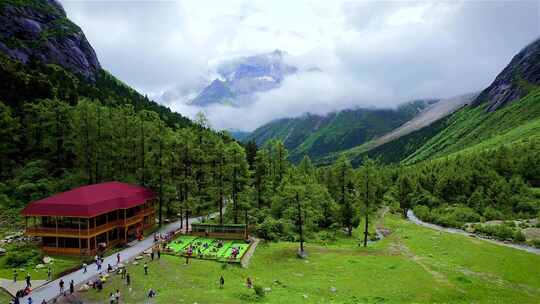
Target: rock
83 288
40 266
140 257
333 289
505 89
135 263
47 260
267 289
2 251
120 265
305 296
43 32
148 251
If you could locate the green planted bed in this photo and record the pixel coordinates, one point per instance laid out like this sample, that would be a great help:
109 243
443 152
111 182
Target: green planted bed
208 248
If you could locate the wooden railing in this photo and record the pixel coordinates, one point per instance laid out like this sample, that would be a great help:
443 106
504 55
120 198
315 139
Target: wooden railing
83 232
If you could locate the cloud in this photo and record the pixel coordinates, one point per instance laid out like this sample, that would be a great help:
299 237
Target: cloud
371 53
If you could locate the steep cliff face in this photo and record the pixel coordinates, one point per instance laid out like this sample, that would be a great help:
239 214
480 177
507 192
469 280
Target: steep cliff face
518 78
38 30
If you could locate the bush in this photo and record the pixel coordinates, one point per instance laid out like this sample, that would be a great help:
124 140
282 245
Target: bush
519 237
498 231
492 214
270 229
259 291
22 256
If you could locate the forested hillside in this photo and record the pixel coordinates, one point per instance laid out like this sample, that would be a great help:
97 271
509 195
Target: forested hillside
318 136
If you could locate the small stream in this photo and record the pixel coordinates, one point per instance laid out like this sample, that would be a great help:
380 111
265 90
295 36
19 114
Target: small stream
412 217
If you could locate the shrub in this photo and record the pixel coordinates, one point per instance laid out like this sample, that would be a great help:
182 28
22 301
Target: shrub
259 291
498 231
22 256
519 237
492 214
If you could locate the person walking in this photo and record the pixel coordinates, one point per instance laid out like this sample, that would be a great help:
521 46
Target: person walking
61 284
128 279
71 287
98 263
30 301
221 282
15 275
28 279
145 268
118 258
123 273
152 254
158 254
111 298
49 274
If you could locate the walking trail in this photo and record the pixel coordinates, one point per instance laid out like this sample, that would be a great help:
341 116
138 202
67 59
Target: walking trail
52 290
412 217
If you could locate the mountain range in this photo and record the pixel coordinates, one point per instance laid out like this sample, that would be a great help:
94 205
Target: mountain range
505 111
241 78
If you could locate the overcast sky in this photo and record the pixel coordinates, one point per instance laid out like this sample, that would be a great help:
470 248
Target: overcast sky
372 53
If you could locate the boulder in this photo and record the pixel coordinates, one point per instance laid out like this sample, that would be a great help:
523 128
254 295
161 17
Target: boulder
140 257
333 289
40 266
2 251
47 260
83 288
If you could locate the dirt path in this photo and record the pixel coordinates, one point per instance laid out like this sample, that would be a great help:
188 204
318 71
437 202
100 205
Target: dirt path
412 217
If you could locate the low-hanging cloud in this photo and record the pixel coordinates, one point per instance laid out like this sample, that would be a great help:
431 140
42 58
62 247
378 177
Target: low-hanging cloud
368 54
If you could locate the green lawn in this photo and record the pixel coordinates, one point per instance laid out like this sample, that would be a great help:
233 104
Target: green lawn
413 265
4 297
60 264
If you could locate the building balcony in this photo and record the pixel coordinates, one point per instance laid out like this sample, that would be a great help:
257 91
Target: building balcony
85 232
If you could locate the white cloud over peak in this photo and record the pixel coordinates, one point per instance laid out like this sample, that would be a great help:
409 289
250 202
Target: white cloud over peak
371 53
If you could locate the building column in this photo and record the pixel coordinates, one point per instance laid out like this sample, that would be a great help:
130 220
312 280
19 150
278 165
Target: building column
80 243
56 224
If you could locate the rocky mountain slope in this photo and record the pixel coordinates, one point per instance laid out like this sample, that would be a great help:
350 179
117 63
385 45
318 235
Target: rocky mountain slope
515 81
43 55
239 79
320 135
506 112
429 115
39 30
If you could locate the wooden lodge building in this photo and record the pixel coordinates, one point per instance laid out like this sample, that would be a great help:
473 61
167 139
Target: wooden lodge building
87 219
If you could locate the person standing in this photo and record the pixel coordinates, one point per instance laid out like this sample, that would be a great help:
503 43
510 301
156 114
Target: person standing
28 279
98 263
111 298
71 287
30 301
118 258
123 273
61 284
158 254
152 254
128 279
117 296
15 275
49 273
145 268
221 282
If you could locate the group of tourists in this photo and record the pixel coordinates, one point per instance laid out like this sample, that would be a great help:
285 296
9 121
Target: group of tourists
114 298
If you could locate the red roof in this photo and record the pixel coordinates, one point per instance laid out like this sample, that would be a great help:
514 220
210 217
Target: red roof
91 200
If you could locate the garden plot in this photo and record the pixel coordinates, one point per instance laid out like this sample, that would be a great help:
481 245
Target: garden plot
209 249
